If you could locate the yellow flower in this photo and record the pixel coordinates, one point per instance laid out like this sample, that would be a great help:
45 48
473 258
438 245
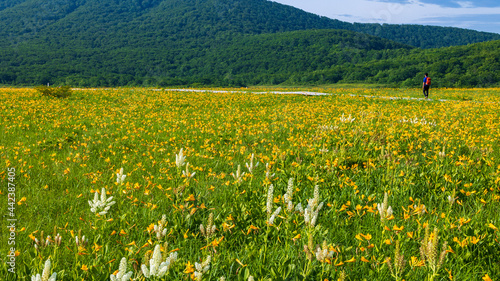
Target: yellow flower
490 225
189 268
216 242
367 236
474 240
353 259
460 243
396 228
415 262
486 277
31 236
463 221
358 236
84 268
20 202
97 247
449 274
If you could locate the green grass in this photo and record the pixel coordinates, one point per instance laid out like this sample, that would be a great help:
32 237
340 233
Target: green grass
419 153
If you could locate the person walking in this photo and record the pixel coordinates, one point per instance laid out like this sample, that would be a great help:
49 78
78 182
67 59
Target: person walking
426 85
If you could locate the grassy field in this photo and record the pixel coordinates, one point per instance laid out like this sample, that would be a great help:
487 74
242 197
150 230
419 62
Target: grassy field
286 187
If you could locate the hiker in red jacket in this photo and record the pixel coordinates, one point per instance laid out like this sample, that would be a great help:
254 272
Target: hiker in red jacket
426 85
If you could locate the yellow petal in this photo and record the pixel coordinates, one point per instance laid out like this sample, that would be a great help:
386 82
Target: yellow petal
396 228
351 260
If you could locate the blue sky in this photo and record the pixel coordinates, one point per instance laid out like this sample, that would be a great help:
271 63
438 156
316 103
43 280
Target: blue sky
482 15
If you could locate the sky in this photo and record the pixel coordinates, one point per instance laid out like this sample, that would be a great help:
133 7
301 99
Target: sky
481 15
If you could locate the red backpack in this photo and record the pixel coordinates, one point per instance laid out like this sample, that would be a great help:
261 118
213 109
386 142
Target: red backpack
428 81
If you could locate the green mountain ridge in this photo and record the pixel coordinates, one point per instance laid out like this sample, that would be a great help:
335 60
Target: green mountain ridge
216 42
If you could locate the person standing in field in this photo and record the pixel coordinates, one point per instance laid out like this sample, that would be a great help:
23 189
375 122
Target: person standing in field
426 85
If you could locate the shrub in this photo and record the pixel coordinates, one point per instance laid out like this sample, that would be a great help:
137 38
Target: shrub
57 92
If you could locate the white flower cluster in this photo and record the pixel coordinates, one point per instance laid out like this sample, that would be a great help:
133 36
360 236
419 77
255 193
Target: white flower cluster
442 153
239 175
101 206
202 268
312 210
251 166
122 274
57 239
45 274
120 177
41 244
417 121
289 196
160 229
327 128
157 268
384 209
210 229
82 242
268 172
349 119
269 206
188 174
452 198
180 159
322 253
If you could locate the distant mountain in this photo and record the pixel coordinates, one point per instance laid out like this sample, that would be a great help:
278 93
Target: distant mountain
97 23
425 36
165 42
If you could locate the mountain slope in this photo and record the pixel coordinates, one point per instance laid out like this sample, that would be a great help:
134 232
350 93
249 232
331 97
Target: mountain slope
166 42
244 55
110 23
424 36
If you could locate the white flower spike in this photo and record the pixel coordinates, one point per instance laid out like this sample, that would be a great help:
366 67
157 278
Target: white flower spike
122 274
45 274
120 177
103 205
180 159
156 267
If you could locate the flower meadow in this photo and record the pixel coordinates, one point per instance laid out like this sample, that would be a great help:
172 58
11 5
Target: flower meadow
144 184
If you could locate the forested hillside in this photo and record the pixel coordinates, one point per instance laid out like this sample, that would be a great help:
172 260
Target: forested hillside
215 42
424 36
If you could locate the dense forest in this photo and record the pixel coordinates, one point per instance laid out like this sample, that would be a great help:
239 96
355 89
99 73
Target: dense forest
226 42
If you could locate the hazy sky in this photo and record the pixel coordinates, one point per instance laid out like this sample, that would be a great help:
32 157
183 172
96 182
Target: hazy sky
482 15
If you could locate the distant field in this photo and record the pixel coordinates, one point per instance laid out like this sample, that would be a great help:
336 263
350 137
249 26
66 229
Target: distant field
389 189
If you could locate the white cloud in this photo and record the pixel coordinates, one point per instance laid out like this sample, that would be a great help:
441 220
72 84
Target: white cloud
465 4
408 12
